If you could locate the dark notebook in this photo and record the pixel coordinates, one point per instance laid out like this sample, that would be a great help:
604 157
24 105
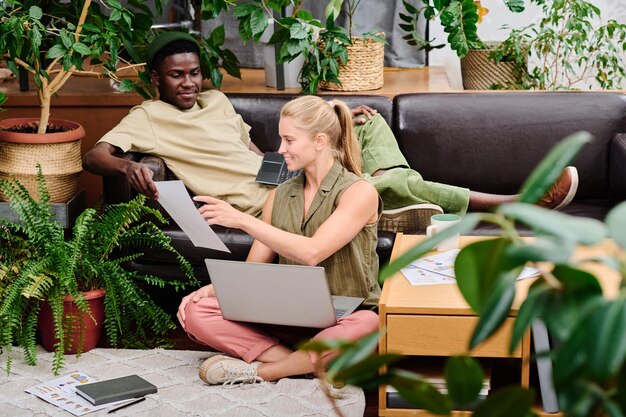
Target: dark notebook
116 389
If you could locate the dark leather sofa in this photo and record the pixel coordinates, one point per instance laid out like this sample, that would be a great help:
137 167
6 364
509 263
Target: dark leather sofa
484 141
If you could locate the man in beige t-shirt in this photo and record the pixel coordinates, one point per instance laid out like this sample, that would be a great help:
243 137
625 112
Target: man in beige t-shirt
201 138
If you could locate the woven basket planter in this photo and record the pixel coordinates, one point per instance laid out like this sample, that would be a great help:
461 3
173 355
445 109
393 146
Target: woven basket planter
364 69
481 73
58 154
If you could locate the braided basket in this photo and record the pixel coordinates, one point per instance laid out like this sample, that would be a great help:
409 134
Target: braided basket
481 73
364 69
60 160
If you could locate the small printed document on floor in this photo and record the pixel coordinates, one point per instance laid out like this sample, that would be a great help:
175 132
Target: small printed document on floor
439 269
62 393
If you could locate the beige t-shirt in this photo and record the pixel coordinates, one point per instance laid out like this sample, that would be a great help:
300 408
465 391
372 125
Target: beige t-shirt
207 147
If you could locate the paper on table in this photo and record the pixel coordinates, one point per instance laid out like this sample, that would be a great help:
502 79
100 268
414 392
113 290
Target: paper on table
175 200
439 269
418 276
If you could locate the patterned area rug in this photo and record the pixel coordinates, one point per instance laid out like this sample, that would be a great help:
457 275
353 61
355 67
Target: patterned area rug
181 393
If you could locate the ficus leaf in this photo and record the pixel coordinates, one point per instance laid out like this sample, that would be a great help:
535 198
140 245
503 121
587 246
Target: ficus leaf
569 304
583 230
418 392
478 268
606 344
615 221
495 309
508 401
543 248
464 379
533 307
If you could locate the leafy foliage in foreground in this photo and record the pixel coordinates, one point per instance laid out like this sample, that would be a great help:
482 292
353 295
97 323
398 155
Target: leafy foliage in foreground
589 358
38 263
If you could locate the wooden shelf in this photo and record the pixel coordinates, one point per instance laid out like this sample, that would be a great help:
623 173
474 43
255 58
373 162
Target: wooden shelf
397 81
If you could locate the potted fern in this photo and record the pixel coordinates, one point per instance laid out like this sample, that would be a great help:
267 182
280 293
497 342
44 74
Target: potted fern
41 269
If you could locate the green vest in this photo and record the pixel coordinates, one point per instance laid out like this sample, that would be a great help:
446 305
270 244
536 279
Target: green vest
353 269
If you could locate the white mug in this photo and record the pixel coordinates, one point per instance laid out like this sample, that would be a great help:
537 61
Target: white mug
440 222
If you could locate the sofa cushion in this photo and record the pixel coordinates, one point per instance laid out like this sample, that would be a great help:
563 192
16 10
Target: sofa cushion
490 142
261 112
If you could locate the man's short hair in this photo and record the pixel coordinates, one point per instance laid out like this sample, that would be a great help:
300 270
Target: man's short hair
170 43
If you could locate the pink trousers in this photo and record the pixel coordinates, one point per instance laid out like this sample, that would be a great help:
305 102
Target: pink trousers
204 323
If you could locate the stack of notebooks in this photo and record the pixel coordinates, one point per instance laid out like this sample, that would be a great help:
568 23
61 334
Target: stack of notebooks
394 400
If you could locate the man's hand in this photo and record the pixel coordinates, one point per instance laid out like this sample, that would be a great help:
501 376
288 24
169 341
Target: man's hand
194 297
366 113
101 160
139 177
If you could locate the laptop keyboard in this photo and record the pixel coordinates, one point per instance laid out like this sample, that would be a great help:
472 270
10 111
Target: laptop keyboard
285 174
340 312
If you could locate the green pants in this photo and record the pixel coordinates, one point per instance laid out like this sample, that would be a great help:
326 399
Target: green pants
400 185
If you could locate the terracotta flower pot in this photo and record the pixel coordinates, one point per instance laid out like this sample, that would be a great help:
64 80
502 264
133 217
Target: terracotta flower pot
81 325
58 153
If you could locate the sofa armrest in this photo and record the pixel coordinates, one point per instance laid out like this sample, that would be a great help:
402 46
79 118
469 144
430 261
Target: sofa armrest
617 168
115 187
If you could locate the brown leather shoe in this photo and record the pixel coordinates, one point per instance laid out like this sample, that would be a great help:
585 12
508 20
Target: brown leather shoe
563 191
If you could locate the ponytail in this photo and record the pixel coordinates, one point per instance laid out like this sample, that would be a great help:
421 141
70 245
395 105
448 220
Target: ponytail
334 119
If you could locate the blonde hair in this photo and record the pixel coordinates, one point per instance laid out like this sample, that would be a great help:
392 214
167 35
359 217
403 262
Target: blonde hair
333 118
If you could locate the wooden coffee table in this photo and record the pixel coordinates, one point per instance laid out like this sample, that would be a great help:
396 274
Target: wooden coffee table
435 320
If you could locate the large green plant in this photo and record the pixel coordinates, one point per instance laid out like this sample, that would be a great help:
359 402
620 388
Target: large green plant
55 40
38 262
589 360
51 40
324 48
458 19
297 34
569 45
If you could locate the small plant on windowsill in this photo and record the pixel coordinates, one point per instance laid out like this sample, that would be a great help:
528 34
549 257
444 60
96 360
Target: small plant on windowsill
589 328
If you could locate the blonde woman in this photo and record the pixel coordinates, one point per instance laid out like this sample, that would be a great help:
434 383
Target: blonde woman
326 216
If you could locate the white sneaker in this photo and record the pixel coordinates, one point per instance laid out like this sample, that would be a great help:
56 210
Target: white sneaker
221 369
409 218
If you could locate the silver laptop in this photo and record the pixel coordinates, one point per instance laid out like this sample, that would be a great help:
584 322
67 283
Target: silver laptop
291 295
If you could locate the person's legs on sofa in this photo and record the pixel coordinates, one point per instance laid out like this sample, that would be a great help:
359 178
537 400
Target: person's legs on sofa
559 196
403 189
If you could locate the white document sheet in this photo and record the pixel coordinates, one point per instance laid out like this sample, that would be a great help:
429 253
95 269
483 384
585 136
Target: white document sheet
439 269
176 201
